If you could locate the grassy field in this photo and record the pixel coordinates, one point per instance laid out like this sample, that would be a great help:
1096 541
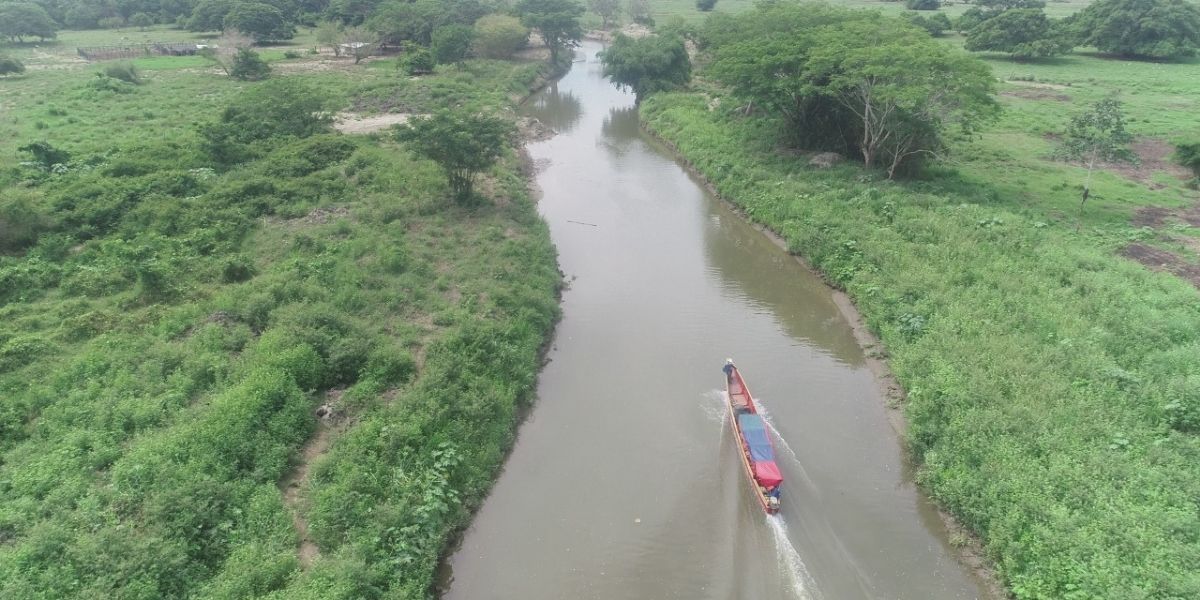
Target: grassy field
166 341
1053 399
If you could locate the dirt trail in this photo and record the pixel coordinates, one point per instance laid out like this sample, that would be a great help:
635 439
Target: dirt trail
293 486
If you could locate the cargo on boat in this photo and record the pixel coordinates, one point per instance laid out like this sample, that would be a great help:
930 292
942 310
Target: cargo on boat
754 443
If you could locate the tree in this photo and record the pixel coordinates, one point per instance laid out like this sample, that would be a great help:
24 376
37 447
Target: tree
994 7
855 83
1140 28
557 21
1021 32
329 33
415 21
209 15
276 110
608 10
10 66
141 20
226 48
462 144
705 5
639 12
498 36
416 60
647 65
451 43
19 20
936 24
1095 135
249 66
262 22
359 42
922 4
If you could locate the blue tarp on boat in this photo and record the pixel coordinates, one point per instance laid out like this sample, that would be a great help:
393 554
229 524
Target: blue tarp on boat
755 432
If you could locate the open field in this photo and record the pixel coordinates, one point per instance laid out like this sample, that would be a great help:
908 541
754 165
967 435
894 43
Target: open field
291 378
1050 359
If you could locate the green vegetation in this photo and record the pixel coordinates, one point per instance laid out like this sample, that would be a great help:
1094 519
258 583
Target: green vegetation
856 83
1020 32
1140 28
19 20
1095 135
1052 396
498 36
647 65
10 66
262 22
451 43
557 21
191 267
462 144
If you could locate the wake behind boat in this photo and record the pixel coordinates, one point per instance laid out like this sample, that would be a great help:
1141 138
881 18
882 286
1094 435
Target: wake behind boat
754 444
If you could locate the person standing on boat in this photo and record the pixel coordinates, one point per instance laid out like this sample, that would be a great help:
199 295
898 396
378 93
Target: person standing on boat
728 368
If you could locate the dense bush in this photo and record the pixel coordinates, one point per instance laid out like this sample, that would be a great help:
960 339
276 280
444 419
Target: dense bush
1188 155
1022 32
416 60
705 5
247 65
936 24
10 65
451 43
498 36
1140 28
262 22
647 65
124 72
922 4
258 117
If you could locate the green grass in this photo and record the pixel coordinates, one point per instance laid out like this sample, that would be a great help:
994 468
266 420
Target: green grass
166 340
1053 400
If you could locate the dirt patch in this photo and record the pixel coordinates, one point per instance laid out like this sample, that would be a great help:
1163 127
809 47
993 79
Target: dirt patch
1037 94
356 123
1036 84
1161 260
1154 156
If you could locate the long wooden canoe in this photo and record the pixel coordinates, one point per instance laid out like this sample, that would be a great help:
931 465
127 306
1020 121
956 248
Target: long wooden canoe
754 443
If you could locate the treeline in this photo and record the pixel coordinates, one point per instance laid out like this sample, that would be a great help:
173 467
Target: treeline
1137 29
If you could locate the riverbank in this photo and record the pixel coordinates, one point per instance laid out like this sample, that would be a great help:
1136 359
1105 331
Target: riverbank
1035 386
293 378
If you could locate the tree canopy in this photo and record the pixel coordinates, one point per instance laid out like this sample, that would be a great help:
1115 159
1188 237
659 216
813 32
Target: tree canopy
557 21
856 83
1140 28
262 22
1021 32
648 64
19 20
462 144
498 36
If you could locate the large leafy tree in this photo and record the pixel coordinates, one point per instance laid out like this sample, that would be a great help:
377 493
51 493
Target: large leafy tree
1140 28
1097 135
647 65
608 10
498 36
856 82
557 21
19 20
462 144
398 21
1021 32
261 21
209 15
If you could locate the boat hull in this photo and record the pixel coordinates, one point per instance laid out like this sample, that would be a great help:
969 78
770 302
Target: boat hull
739 400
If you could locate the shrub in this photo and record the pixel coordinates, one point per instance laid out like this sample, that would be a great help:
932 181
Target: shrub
141 20
292 54
280 108
249 66
462 144
922 4
705 5
451 43
416 60
498 36
20 223
124 72
936 24
46 155
10 65
1188 155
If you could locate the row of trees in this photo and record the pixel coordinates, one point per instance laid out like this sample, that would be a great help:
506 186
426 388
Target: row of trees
1157 29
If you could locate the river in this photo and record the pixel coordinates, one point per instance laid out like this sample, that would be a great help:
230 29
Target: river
624 482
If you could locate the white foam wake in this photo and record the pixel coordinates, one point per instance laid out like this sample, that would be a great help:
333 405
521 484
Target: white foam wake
790 562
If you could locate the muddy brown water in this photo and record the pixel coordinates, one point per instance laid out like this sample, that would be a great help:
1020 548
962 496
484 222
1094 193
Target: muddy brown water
624 482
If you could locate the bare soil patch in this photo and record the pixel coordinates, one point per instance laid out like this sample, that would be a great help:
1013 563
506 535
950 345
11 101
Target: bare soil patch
1161 260
1037 84
1036 94
356 123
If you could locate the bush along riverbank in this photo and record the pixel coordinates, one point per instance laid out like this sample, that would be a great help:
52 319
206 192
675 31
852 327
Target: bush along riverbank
247 356
1052 390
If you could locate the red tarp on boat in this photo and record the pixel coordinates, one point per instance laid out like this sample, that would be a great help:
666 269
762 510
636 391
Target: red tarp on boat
767 473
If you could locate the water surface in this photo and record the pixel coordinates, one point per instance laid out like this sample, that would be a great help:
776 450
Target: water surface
624 482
